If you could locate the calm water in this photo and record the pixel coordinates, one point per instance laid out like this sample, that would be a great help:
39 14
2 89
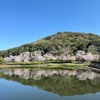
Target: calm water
33 84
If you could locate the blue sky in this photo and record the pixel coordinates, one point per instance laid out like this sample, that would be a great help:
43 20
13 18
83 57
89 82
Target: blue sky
25 21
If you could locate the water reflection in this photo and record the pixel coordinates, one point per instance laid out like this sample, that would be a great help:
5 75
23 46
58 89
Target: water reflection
61 82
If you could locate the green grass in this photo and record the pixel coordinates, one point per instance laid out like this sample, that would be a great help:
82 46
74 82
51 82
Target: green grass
39 62
24 63
45 65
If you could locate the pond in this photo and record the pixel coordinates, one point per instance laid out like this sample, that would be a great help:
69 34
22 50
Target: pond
47 84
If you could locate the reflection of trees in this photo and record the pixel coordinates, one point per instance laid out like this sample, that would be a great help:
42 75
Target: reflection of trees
59 84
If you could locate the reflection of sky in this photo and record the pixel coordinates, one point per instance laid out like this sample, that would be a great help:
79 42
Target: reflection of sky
10 90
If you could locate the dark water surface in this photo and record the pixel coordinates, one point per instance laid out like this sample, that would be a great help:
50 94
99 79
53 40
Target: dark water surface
33 84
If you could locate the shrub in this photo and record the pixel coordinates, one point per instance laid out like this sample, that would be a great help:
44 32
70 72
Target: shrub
1 60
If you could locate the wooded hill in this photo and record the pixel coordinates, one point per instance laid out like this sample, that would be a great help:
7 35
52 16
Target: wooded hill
60 43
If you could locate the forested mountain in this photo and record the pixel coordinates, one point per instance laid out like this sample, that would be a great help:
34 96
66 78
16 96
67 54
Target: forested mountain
60 43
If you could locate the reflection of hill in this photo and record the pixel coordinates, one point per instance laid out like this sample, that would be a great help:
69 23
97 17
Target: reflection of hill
61 84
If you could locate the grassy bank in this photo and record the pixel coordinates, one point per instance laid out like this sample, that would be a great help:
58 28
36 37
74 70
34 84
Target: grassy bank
45 65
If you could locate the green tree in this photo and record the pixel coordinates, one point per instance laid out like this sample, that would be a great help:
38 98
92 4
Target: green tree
1 60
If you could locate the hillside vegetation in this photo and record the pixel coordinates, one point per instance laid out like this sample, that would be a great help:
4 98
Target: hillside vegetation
60 43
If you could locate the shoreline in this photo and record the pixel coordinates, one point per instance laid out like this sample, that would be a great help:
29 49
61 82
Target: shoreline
51 65
66 66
